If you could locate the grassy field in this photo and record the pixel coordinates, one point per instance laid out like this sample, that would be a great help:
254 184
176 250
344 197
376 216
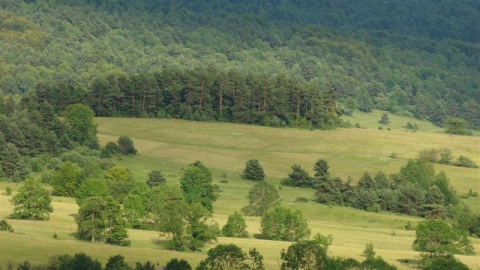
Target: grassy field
170 145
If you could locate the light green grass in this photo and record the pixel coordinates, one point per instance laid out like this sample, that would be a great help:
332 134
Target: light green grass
170 145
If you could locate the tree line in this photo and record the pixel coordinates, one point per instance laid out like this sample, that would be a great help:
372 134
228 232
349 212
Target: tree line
385 68
205 94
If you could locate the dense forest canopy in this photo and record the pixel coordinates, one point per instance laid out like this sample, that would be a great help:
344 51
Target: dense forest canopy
419 58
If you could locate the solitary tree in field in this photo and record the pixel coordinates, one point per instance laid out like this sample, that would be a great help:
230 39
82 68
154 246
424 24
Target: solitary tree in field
384 119
235 227
253 170
261 197
283 224
32 202
125 145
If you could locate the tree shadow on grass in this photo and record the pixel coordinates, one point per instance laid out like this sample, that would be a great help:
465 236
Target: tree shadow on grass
410 263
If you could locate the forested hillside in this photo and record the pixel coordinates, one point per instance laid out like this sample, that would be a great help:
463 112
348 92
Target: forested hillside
419 58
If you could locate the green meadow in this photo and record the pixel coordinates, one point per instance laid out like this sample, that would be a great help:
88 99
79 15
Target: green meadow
170 145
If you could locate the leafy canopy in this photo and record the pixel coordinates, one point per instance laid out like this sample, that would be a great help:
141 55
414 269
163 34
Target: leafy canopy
32 202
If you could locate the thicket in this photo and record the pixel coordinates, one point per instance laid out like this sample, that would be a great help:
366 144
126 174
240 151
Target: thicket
114 48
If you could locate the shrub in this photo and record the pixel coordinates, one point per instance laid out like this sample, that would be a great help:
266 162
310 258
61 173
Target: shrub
176 264
126 146
4 226
301 199
8 191
253 170
463 161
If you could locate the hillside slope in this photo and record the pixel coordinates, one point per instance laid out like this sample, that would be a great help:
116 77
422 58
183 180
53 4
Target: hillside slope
424 64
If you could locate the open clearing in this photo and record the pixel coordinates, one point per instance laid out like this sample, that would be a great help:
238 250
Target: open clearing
170 145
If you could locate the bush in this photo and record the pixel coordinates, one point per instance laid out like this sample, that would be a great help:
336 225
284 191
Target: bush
301 199
4 226
444 262
463 161
253 170
126 146
176 264
8 191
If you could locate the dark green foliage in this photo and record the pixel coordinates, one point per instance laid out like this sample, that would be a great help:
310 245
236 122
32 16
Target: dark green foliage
197 185
230 256
436 238
155 178
32 202
80 261
4 226
146 266
235 226
467 221
229 74
101 219
284 224
333 191
298 178
321 170
81 129
117 262
366 181
261 197
416 190
111 148
12 163
376 263
384 119
253 170
369 252
25 265
176 264
457 126
66 181
364 199
418 171
90 219
125 145
8 191
463 161
119 182
185 224
443 262
307 254
91 188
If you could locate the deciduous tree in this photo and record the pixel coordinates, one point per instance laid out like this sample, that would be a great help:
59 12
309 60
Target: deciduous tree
235 226
284 224
197 185
261 197
32 202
